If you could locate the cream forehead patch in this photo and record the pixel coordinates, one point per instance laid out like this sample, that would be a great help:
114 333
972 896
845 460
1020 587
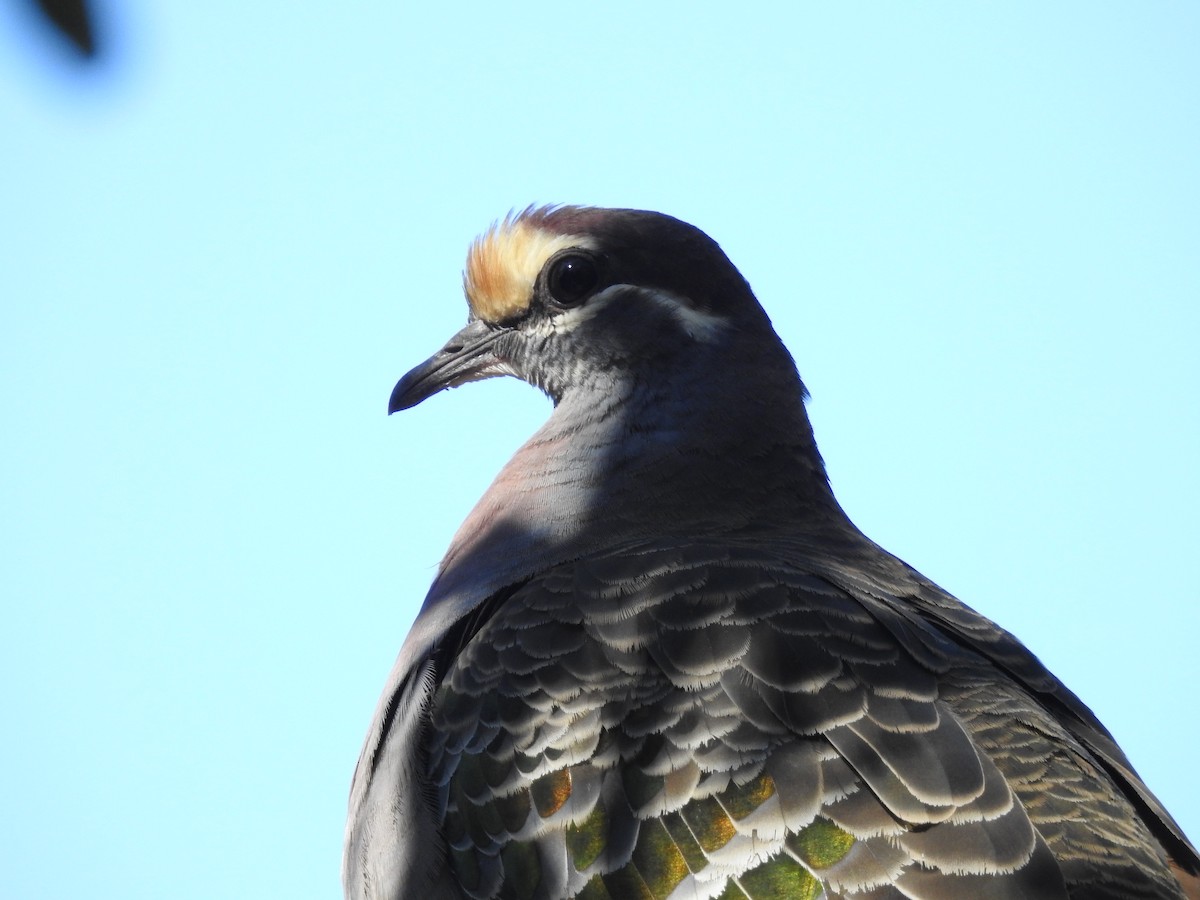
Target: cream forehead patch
503 264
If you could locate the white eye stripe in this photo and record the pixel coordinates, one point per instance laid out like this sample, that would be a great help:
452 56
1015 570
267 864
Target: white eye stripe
700 326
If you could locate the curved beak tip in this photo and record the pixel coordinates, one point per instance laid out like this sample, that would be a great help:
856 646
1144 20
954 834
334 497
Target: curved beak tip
396 400
413 388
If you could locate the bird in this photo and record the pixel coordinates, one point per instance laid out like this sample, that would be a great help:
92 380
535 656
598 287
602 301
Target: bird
658 660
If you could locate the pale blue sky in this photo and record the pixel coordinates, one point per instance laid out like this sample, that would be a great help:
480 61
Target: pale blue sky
977 229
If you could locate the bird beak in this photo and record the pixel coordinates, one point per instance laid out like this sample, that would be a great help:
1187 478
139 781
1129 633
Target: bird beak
466 357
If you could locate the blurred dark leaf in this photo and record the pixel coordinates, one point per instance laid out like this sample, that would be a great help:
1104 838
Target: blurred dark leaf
73 19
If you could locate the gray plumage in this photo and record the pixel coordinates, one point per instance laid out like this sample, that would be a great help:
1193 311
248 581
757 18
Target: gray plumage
658 660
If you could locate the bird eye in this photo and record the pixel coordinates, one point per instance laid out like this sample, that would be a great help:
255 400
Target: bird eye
572 279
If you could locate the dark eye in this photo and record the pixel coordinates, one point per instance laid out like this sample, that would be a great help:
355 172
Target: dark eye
572 279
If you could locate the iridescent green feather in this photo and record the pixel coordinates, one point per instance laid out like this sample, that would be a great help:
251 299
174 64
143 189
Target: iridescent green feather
585 840
821 844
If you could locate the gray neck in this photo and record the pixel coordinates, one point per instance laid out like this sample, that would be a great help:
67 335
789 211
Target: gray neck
616 465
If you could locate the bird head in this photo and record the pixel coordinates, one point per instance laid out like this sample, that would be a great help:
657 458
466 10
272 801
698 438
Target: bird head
585 299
